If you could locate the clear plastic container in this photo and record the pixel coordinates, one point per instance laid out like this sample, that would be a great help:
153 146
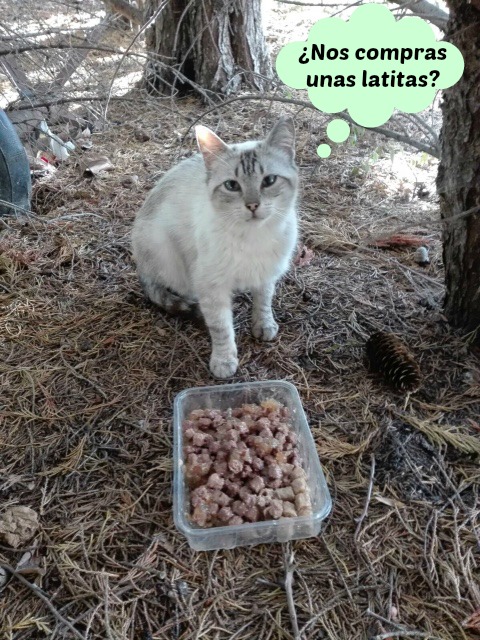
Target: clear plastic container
227 537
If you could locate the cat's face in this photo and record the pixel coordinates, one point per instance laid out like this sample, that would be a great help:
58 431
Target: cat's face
252 181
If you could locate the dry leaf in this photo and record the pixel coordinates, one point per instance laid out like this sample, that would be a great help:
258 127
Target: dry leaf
18 525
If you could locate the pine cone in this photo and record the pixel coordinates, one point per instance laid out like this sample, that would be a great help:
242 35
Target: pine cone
388 356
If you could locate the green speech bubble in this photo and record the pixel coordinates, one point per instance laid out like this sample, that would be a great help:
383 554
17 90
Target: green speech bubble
370 65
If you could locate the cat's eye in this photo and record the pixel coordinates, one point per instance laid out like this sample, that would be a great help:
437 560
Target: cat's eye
231 185
269 180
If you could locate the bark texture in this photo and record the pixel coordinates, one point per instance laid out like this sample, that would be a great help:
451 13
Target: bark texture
458 181
216 44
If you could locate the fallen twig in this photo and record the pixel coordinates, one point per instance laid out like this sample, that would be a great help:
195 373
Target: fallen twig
288 562
400 630
39 593
367 501
405 634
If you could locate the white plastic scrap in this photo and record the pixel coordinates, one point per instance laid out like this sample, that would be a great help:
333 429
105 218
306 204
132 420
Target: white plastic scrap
59 148
421 256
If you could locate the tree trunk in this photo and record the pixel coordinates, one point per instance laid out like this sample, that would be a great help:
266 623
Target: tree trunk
214 45
458 181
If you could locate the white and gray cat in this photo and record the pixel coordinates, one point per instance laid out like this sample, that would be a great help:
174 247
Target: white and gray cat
221 221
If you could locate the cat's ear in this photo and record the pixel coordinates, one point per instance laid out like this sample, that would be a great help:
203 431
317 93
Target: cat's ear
282 136
209 144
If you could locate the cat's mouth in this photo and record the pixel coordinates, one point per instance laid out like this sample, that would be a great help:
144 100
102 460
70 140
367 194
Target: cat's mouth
256 218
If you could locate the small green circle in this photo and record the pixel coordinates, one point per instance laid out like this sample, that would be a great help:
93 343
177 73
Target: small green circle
324 150
338 130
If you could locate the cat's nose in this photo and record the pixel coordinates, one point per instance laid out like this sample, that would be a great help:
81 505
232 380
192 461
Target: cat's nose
253 206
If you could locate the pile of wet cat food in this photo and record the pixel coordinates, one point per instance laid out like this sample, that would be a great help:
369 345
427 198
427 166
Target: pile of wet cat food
243 465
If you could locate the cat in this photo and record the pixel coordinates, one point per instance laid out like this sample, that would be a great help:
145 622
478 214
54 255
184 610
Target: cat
221 221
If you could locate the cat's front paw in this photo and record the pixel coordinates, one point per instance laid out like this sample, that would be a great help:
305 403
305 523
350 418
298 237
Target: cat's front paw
265 330
223 366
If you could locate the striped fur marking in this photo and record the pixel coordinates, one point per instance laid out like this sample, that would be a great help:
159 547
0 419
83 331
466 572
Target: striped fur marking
249 161
170 301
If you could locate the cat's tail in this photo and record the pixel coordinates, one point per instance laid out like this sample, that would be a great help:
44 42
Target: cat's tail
170 301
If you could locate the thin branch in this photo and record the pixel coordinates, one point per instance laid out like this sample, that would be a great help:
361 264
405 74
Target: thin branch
56 101
399 137
64 31
59 45
17 207
420 146
336 600
401 631
367 501
422 125
288 562
405 634
75 58
79 376
17 76
315 4
150 21
39 593
458 216
425 10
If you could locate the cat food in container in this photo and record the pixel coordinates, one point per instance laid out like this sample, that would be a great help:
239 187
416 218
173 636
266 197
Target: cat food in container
246 470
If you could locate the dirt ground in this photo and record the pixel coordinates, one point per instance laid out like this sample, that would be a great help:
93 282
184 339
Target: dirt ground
90 369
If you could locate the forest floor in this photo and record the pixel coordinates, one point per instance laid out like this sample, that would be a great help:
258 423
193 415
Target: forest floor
90 370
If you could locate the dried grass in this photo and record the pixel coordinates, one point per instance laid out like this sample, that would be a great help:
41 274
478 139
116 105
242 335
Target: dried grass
89 371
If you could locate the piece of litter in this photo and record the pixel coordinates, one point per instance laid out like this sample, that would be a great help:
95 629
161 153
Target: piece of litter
304 256
85 143
58 147
95 165
398 240
43 164
421 256
86 133
84 139
130 181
